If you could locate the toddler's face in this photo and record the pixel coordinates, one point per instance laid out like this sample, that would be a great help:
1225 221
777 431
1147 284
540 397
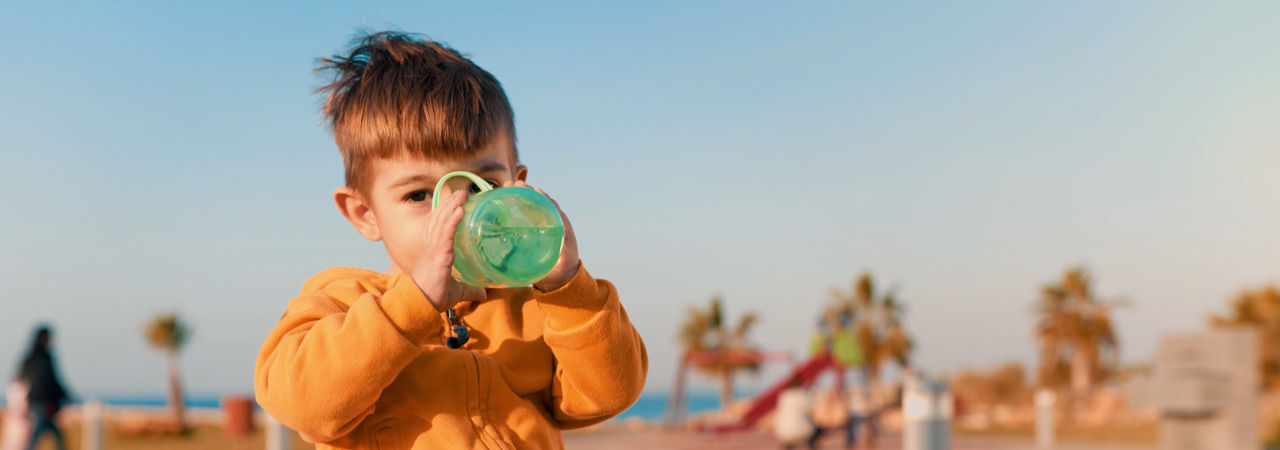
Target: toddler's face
400 194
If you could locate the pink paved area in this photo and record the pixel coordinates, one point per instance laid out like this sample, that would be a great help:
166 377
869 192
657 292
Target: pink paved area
674 440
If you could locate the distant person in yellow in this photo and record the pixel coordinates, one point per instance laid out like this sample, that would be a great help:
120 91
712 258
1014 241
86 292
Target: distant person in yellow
836 336
362 359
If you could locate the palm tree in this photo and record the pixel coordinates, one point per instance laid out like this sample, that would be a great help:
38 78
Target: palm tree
704 333
1077 338
1259 309
168 333
876 318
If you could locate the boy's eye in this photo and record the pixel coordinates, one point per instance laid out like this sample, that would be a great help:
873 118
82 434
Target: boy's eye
421 195
476 189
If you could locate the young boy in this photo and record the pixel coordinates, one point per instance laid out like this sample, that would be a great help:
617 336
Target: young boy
359 359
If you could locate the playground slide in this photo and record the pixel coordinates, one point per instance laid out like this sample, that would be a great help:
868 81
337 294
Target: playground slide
805 375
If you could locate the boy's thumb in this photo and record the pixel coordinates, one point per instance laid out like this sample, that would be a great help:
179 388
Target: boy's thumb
472 293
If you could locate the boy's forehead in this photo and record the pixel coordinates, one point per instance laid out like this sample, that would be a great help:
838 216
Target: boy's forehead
490 159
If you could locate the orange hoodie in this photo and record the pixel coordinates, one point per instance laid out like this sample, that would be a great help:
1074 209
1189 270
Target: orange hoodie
358 361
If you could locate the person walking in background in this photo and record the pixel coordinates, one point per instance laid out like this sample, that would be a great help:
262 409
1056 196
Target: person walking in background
791 424
861 414
830 413
17 426
45 394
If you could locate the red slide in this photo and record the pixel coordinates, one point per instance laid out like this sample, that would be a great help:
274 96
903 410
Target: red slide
805 374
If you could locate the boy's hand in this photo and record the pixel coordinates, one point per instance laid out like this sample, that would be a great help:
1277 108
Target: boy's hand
567 266
433 271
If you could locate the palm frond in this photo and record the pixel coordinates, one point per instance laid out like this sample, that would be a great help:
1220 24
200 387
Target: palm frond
167 332
875 319
716 313
744 325
864 290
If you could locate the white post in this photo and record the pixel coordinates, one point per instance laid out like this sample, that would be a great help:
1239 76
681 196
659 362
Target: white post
926 413
916 409
278 435
942 420
91 423
1044 418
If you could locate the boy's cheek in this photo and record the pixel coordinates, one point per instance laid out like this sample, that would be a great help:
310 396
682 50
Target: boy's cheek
404 251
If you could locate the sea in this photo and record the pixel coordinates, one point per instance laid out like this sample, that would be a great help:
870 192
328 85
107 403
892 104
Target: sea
649 407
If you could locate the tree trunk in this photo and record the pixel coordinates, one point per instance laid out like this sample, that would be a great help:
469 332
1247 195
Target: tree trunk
1049 357
177 404
726 389
676 406
1080 381
1080 372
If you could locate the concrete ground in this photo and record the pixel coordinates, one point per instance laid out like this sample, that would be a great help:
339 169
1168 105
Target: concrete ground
674 440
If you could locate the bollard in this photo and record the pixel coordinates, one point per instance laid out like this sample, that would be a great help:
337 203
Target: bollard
237 416
91 425
942 422
926 412
279 437
1044 418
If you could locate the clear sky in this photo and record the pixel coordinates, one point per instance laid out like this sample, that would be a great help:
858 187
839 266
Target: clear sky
165 156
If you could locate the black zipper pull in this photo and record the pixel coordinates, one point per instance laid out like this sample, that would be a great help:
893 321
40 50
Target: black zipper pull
460 334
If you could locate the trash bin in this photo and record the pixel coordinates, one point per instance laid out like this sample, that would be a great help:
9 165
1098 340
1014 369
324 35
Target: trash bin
237 416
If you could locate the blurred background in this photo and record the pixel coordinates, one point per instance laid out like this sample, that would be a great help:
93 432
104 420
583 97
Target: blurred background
998 171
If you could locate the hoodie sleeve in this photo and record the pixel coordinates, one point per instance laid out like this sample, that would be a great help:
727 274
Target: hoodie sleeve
600 360
327 361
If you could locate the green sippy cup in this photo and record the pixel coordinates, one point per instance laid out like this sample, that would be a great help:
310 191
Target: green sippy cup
508 236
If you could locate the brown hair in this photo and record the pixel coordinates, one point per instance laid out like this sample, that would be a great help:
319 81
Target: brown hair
395 93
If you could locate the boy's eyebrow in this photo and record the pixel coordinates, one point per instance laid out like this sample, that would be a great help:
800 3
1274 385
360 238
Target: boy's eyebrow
486 166
410 180
489 166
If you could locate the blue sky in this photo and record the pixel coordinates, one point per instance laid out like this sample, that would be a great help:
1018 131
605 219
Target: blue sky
161 156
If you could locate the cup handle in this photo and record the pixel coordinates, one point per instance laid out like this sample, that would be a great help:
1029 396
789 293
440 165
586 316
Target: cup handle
435 197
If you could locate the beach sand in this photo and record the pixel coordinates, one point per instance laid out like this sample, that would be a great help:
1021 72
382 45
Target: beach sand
204 437
634 434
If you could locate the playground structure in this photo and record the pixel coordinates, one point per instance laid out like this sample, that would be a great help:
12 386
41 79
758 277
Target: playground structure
804 374
860 331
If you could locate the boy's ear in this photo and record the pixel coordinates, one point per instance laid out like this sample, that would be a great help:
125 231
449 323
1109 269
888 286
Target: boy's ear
358 211
522 172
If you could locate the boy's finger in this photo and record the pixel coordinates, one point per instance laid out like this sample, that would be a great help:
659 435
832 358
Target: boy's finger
453 199
444 228
457 198
468 292
446 208
553 200
568 228
521 183
451 223
539 190
440 228
434 217
459 292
